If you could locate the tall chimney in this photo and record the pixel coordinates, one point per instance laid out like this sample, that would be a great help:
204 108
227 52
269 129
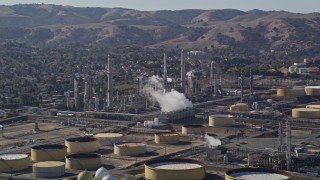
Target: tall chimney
241 96
75 94
110 88
165 67
251 83
211 76
280 137
288 154
2 131
215 93
183 71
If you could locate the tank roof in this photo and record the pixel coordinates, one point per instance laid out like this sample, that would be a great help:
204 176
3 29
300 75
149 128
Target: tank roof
12 156
108 135
313 87
81 139
49 147
258 174
167 134
49 164
174 164
222 115
306 109
83 155
193 126
130 144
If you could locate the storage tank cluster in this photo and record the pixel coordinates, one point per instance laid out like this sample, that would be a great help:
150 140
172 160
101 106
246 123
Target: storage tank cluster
256 173
130 149
239 107
306 113
191 129
166 138
170 169
221 120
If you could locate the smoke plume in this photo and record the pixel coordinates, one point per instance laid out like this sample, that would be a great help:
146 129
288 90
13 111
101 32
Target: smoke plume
169 101
211 141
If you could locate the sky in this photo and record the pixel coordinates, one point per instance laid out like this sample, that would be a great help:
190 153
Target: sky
299 6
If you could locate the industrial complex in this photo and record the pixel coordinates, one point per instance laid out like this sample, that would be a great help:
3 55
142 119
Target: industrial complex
183 129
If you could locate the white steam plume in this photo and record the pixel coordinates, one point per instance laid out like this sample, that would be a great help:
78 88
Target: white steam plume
211 141
169 101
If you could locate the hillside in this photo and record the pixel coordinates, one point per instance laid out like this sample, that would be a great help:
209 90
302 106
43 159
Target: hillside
226 30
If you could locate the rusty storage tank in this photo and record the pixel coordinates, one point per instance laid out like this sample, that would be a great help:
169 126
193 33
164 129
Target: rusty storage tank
193 129
109 139
13 162
82 145
48 152
221 120
306 113
48 169
130 149
256 174
172 169
84 161
166 138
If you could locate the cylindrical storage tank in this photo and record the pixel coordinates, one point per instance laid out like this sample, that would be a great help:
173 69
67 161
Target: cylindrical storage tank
48 152
166 138
172 169
314 106
13 162
239 107
256 173
85 161
221 120
193 129
48 169
283 92
82 145
130 149
306 113
109 139
312 90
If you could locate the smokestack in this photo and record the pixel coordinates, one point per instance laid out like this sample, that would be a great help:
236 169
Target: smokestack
75 94
288 155
211 76
183 71
165 67
110 88
241 96
215 93
251 83
86 96
280 137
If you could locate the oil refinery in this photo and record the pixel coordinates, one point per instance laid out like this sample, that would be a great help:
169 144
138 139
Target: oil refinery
169 127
